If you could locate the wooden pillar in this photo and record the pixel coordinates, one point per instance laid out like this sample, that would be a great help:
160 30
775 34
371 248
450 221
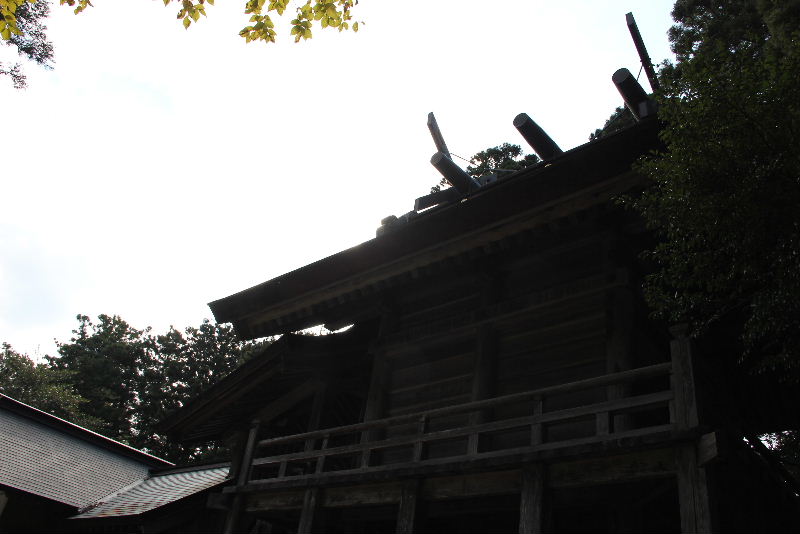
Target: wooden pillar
693 496
243 476
311 504
236 442
692 491
482 380
684 408
375 401
531 499
620 327
376 396
317 409
407 509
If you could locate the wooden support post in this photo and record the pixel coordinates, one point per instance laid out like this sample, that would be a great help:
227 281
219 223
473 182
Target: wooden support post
620 326
321 459
602 424
531 499
692 491
684 409
482 381
407 509
314 421
249 452
693 495
537 436
245 465
419 446
236 443
375 401
311 504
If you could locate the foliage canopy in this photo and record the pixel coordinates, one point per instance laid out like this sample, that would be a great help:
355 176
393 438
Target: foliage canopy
328 14
43 387
725 193
29 37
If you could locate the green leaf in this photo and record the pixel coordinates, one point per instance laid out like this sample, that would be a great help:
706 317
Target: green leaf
186 22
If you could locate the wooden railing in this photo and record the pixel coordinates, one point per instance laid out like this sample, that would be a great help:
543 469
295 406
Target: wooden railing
357 448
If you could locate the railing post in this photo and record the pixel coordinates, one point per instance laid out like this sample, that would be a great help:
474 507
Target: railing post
245 466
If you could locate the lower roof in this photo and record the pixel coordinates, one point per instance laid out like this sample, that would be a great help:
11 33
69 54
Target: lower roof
157 491
52 458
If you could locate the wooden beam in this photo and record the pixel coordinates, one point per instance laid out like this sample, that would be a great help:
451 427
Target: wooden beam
407 509
531 497
472 485
436 488
610 469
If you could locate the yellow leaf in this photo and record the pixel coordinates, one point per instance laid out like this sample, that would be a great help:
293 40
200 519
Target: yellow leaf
186 22
355 26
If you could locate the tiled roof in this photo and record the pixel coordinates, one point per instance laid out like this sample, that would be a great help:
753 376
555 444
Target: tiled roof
37 458
156 491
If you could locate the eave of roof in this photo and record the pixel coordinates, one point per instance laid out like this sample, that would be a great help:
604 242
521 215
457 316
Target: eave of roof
25 410
303 297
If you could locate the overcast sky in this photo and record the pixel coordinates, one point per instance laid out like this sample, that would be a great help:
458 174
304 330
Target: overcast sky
156 169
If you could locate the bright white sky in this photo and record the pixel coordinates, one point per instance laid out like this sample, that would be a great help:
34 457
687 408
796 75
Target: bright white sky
157 169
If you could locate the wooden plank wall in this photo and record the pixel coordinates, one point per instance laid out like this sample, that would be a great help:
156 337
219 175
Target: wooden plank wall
556 343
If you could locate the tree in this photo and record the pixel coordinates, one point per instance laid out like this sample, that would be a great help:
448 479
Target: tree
724 195
184 364
106 362
29 36
505 157
502 158
132 379
620 119
42 387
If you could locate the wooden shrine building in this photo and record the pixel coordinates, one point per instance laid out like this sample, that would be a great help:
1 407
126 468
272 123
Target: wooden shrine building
500 375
